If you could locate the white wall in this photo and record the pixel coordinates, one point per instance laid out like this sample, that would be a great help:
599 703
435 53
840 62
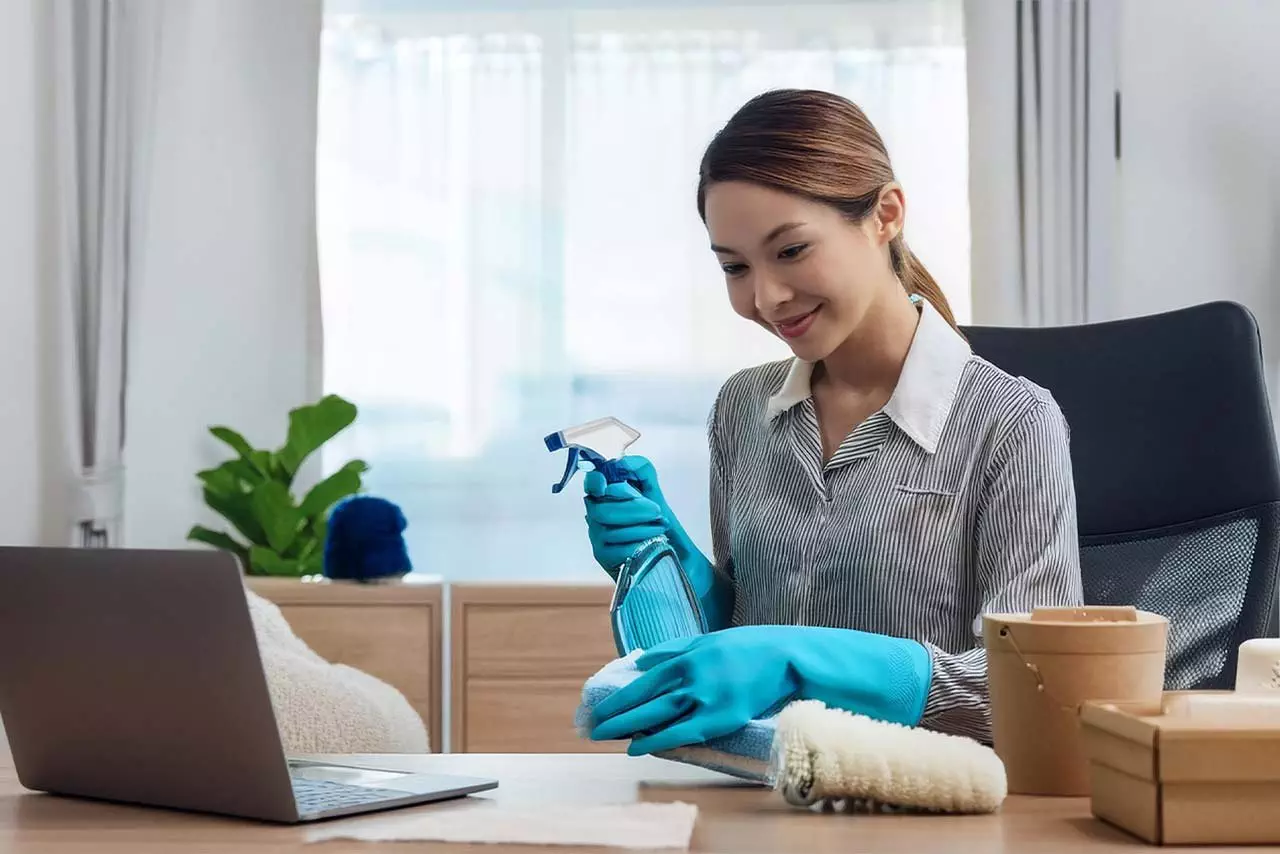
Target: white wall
1199 176
224 321
32 487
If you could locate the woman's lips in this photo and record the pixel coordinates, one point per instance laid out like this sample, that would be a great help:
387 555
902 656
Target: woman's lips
796 326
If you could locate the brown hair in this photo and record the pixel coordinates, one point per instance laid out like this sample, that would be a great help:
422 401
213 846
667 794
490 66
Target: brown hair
821 146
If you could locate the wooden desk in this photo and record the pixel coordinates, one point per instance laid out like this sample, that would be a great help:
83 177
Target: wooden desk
734 818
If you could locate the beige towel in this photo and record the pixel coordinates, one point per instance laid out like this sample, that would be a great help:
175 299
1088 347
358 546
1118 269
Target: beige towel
322 707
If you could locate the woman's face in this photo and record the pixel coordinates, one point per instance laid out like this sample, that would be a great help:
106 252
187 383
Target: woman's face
799 268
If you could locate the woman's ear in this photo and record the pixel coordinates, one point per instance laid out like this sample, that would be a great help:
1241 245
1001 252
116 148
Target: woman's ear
891 212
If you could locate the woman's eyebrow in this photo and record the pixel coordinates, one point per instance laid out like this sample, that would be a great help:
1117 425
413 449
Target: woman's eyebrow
768 238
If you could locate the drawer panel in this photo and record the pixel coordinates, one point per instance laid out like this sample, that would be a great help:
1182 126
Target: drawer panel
526 716
568 641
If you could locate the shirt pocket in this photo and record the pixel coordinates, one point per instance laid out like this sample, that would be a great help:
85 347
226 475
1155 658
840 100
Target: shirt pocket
930 475
929 501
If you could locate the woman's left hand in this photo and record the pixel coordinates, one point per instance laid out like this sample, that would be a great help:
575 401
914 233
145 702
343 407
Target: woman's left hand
697 688
694 689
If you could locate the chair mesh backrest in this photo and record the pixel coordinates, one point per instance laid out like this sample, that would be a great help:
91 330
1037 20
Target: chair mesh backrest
1199 576
1176 471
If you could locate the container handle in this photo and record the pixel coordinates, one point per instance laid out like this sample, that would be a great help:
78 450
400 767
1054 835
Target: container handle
1006 633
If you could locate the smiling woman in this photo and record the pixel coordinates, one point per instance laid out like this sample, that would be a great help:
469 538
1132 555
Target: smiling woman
762 169
871 496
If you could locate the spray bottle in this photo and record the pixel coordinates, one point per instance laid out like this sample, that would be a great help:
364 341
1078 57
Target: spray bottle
653 600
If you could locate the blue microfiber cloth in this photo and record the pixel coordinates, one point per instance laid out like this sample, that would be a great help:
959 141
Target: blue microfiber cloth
745 753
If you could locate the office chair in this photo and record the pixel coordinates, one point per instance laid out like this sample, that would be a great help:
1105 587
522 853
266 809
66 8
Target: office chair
1176 471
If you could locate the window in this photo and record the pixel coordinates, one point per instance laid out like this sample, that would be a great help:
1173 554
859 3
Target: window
509 243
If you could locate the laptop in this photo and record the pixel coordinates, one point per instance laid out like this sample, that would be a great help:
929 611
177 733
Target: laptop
134 676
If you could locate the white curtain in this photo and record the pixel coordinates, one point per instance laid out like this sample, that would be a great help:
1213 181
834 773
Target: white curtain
104 54
1042 154
510 244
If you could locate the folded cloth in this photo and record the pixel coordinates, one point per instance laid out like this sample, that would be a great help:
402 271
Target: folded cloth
745 753
648 825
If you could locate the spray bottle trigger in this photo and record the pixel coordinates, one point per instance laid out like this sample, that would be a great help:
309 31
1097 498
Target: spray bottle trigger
570 467
613 470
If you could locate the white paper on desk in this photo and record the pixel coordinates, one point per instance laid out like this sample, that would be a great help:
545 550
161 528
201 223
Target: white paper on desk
633 825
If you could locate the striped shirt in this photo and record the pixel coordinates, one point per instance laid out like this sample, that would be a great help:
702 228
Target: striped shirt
954 500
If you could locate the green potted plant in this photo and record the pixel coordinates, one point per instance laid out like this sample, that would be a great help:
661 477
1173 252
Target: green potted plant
282 535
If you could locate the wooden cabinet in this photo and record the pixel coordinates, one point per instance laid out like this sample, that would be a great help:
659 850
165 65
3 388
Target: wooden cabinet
519 655
392 630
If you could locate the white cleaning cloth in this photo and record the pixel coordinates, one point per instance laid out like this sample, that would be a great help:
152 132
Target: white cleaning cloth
648 825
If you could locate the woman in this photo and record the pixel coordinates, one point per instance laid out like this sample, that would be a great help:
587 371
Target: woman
870 497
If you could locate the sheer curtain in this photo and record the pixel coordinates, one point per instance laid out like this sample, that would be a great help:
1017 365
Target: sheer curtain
509 243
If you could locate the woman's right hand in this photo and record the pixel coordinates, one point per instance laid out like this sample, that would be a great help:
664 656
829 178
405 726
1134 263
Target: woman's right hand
621 516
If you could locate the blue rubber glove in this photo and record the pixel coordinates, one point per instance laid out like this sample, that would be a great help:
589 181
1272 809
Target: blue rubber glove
621 516
695 689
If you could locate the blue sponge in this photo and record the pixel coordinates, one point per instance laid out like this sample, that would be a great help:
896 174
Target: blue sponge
365 540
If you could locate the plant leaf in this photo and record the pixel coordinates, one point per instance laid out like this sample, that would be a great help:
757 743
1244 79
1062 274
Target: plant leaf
238 443
260 460
320 526
275 512
343 482
304 542
223 479
264 561
311 426
312 564
276 466
232 477
219 540
236 509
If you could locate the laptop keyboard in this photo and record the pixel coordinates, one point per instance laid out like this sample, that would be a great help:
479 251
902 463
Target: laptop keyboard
315 796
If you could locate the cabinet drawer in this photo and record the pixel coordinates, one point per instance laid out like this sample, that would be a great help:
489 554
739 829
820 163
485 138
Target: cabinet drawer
520 655
570 641
527 716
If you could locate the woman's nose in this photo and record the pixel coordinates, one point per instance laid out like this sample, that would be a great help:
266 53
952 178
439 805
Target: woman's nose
771 292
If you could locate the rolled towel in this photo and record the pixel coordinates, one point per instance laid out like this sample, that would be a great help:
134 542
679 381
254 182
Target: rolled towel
831 757
817 756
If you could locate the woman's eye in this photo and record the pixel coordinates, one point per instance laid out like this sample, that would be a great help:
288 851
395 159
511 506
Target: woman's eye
793 251
733 269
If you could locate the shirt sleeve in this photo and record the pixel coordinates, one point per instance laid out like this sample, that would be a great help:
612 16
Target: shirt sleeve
719 488
1027 555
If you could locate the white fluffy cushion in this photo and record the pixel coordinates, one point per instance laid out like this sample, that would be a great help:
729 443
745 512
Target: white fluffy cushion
323 707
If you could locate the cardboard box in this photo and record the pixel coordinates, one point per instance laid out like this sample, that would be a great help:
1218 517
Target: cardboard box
1174 778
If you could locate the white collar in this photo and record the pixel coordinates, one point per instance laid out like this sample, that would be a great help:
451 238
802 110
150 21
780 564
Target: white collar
926 388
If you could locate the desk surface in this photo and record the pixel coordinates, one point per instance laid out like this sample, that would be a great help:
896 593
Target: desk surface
733 817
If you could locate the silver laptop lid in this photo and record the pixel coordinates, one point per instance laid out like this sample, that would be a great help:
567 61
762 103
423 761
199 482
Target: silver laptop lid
134 675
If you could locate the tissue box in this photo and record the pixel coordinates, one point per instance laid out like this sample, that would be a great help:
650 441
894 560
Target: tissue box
1185 771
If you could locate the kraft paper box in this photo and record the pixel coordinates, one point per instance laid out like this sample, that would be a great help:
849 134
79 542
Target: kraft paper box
1172 777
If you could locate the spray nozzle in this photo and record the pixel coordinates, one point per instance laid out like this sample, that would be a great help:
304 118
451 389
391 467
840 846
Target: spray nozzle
601 443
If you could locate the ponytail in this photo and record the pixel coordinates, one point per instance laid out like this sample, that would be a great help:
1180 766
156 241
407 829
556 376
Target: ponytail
916 279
